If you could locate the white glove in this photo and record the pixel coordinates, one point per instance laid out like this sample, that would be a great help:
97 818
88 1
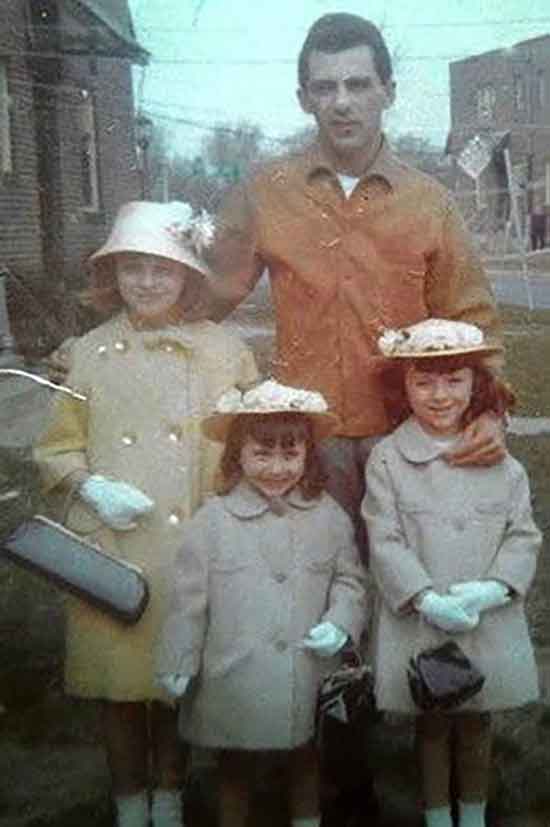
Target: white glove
174 684
325 639
118 504
446 612
480 595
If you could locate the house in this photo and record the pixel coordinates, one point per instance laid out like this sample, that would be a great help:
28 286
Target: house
500 131
67 142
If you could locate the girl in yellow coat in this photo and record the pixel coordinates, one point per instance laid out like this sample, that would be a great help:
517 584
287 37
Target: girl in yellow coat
130 464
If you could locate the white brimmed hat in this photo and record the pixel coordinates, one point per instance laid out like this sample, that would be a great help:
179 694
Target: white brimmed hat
169 230
433 338
269 397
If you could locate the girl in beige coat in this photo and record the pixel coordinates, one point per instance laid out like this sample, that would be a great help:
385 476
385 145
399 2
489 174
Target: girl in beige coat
453 553
130 465
267 589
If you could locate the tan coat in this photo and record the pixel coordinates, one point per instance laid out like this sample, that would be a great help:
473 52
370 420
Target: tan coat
250 583
147 392
431 525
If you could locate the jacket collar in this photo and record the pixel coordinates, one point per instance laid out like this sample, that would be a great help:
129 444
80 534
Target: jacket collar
245 502
183 336
416 445
385 166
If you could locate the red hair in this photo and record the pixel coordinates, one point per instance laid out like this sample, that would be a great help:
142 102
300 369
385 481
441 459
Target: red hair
489 393
286 429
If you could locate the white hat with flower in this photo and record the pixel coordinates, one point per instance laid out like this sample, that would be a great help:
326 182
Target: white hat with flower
269 397
434 337
172 230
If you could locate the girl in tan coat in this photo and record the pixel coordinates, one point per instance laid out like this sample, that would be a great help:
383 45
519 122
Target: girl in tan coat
130 465
453 553
267 589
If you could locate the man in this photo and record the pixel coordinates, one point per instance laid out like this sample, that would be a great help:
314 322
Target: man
354 241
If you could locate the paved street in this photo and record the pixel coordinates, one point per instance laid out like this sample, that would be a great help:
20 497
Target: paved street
512 288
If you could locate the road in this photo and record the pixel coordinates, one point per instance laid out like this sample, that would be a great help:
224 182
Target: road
512 288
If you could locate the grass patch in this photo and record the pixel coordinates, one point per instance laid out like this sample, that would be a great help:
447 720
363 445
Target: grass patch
527 342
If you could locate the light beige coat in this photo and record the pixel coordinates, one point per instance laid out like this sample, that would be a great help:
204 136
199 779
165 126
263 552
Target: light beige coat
146 394
431 525
251 580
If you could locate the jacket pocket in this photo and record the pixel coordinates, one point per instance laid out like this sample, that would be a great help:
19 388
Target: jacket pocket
323 564
217 665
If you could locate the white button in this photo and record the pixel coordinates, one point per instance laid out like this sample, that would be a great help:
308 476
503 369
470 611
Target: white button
102 350
129 439
121 346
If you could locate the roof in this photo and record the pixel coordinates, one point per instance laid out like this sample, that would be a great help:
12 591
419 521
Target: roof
115 14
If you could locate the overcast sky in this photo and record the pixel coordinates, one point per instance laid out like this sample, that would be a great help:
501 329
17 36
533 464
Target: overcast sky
224 61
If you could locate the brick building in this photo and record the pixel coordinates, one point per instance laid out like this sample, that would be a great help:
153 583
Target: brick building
501 100
67 143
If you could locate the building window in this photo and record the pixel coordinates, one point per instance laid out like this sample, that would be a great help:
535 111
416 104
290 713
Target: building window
541 89
519 92
89 168
486 100
6 157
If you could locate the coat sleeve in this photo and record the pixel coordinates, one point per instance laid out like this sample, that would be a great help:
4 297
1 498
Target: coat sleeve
180 644
457 285
234 258
516 560
60 451
396 568
347 604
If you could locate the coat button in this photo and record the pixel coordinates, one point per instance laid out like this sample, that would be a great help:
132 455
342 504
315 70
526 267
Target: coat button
121 346
176 516
128 439
175 433
102 350
280 577
281 646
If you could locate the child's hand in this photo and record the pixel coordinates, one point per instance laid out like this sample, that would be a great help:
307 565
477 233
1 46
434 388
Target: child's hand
446 612
174 684
325 639
480 595
118 504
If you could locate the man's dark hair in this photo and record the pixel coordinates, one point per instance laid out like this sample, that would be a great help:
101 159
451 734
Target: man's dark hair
333 33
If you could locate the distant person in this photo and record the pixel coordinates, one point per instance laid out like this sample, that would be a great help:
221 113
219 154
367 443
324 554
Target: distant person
453 554
131 466
537 228
354 241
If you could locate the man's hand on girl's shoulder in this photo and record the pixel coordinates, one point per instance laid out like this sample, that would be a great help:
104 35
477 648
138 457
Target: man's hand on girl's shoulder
482 442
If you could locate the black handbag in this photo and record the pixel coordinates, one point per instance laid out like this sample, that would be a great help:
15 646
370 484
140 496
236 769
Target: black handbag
91 574
345 696
443 677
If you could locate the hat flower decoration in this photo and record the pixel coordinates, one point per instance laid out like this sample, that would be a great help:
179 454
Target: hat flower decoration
269 397
194 230
434 337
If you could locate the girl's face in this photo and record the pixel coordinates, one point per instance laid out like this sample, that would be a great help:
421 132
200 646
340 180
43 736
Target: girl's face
273 469
438 400
149 285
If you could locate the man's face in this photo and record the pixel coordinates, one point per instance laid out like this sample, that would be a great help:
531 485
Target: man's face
347 98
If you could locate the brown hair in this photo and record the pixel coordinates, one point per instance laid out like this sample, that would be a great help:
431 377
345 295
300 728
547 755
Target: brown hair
103 294
489 393
333 33
282 428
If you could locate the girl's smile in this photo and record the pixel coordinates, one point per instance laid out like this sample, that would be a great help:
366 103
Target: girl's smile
439 400
273 469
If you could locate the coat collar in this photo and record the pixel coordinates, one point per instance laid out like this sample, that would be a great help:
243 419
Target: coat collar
385 167
416 445
183 336
246 502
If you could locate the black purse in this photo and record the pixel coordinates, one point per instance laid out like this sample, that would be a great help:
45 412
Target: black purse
346 696
443 677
